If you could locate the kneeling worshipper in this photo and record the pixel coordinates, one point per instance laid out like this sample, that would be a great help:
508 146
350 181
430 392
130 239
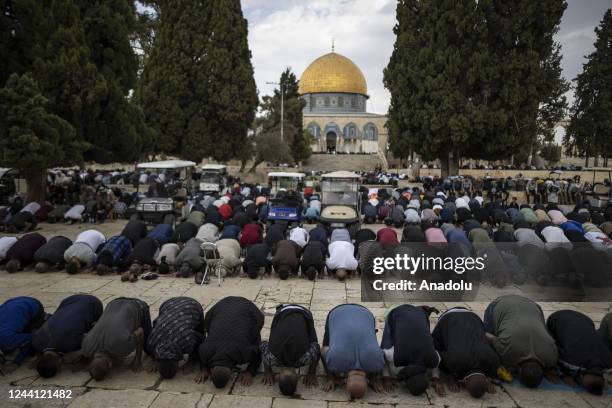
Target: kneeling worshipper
275 234
114 251
257 260
208 233
134 230
122 329
21 254
63 332
229 262
185 230
350 350
19 318
583 354
142 257
191 260
177 332
467 357
299 236
5 244
51 254
286 258
409 348
292 344
166 257
605 330
74 214
232 327
251 235
516 329
341 260
82 254
313 259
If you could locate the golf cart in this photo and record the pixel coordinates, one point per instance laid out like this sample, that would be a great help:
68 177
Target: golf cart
598 194
167 191
213 178
340 201
286 203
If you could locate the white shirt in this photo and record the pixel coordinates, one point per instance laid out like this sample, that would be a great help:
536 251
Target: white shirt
299 236
144 177
208 233
75 213
31 207
341 256
316 204
169 250
93 238
5 244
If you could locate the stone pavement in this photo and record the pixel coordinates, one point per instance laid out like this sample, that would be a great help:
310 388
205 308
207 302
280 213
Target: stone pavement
143 390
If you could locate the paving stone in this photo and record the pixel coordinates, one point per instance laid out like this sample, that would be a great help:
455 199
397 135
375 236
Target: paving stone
129 398
6 402
236 401
185 383
287 402
597 401
178 400
526 397
359 405
123 377
500 399
79 285
65 378
24 375
314 393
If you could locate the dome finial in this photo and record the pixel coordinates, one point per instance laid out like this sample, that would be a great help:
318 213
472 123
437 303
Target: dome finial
333 45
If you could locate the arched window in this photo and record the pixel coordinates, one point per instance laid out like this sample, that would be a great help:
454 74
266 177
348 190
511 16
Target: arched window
314 130
370 132
350 131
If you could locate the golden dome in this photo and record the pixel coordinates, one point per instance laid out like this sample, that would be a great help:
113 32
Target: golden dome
333 73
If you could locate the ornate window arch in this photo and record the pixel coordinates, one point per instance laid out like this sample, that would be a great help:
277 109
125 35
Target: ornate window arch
370 131
332 127
350 131
314 129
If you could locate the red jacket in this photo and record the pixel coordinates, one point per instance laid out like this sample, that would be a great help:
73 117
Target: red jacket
251 234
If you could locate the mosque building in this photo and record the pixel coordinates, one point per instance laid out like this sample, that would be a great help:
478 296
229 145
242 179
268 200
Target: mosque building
335 92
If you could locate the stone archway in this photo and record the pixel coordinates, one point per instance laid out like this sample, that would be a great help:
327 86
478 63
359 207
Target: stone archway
331 139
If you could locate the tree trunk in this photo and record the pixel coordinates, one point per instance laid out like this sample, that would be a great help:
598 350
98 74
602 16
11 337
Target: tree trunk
36 184
453 163
605 163
256 163
586 161
444 166
596 161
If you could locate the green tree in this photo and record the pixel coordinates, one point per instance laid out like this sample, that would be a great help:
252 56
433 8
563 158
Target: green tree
32 138
590 131
468 78
550 152
116 131
231 91
197 89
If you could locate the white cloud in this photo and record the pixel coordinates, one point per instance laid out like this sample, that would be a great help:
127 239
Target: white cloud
294 33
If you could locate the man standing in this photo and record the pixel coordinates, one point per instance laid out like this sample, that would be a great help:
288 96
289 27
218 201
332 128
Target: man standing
293 344
19 317
122 329
350 349
516 330
467 357
63 332
177 331
232 328
583 354
408 346
82 253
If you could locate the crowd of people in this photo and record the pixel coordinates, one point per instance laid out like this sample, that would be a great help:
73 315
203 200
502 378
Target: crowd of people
513 340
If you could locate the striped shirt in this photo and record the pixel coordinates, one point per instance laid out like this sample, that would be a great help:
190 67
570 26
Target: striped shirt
178 330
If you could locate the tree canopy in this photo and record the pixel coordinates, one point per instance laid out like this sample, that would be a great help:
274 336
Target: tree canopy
474 79
197 90
590 131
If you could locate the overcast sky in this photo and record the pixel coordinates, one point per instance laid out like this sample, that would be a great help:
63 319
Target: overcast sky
292 33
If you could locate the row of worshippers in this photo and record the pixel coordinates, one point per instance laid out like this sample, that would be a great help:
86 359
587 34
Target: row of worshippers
513 340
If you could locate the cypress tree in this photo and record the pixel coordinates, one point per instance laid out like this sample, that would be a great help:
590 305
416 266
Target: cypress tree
32 138
467 78
231 102
116 131
590 129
